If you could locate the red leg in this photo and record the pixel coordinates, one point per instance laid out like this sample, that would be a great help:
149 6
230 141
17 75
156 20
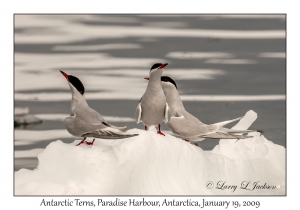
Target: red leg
82 141
186 140
90 143
159 132
146 128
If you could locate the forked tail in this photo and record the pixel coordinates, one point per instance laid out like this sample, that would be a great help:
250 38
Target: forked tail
217 131
221 135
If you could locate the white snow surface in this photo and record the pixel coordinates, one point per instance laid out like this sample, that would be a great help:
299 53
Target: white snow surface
151 164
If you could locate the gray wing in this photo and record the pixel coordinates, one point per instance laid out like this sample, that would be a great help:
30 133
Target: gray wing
89 115
138 113
187 117
108 133
78 127
125 128
93 117
89 123
186 125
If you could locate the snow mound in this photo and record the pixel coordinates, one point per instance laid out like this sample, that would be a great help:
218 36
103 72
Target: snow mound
151 164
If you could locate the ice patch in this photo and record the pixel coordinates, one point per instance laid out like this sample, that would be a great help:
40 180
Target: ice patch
117 46
198 55
231 61
212 57
53 116
21 110
22 143
272 55
151 164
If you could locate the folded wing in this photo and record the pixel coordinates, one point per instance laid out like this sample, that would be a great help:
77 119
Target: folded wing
108 133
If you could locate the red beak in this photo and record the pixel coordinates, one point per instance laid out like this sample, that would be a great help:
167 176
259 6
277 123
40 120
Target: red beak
147 78
163 65
66 76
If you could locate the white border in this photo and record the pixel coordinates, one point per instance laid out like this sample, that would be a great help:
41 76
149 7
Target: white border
153 6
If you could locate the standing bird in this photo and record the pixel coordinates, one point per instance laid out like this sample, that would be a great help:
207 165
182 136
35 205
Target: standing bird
86 122
153 108
184 124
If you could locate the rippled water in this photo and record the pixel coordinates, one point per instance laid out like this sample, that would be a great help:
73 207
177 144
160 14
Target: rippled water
224 65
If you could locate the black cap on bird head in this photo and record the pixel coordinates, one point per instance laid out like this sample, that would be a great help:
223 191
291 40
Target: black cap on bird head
168 79
158 66
75 82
